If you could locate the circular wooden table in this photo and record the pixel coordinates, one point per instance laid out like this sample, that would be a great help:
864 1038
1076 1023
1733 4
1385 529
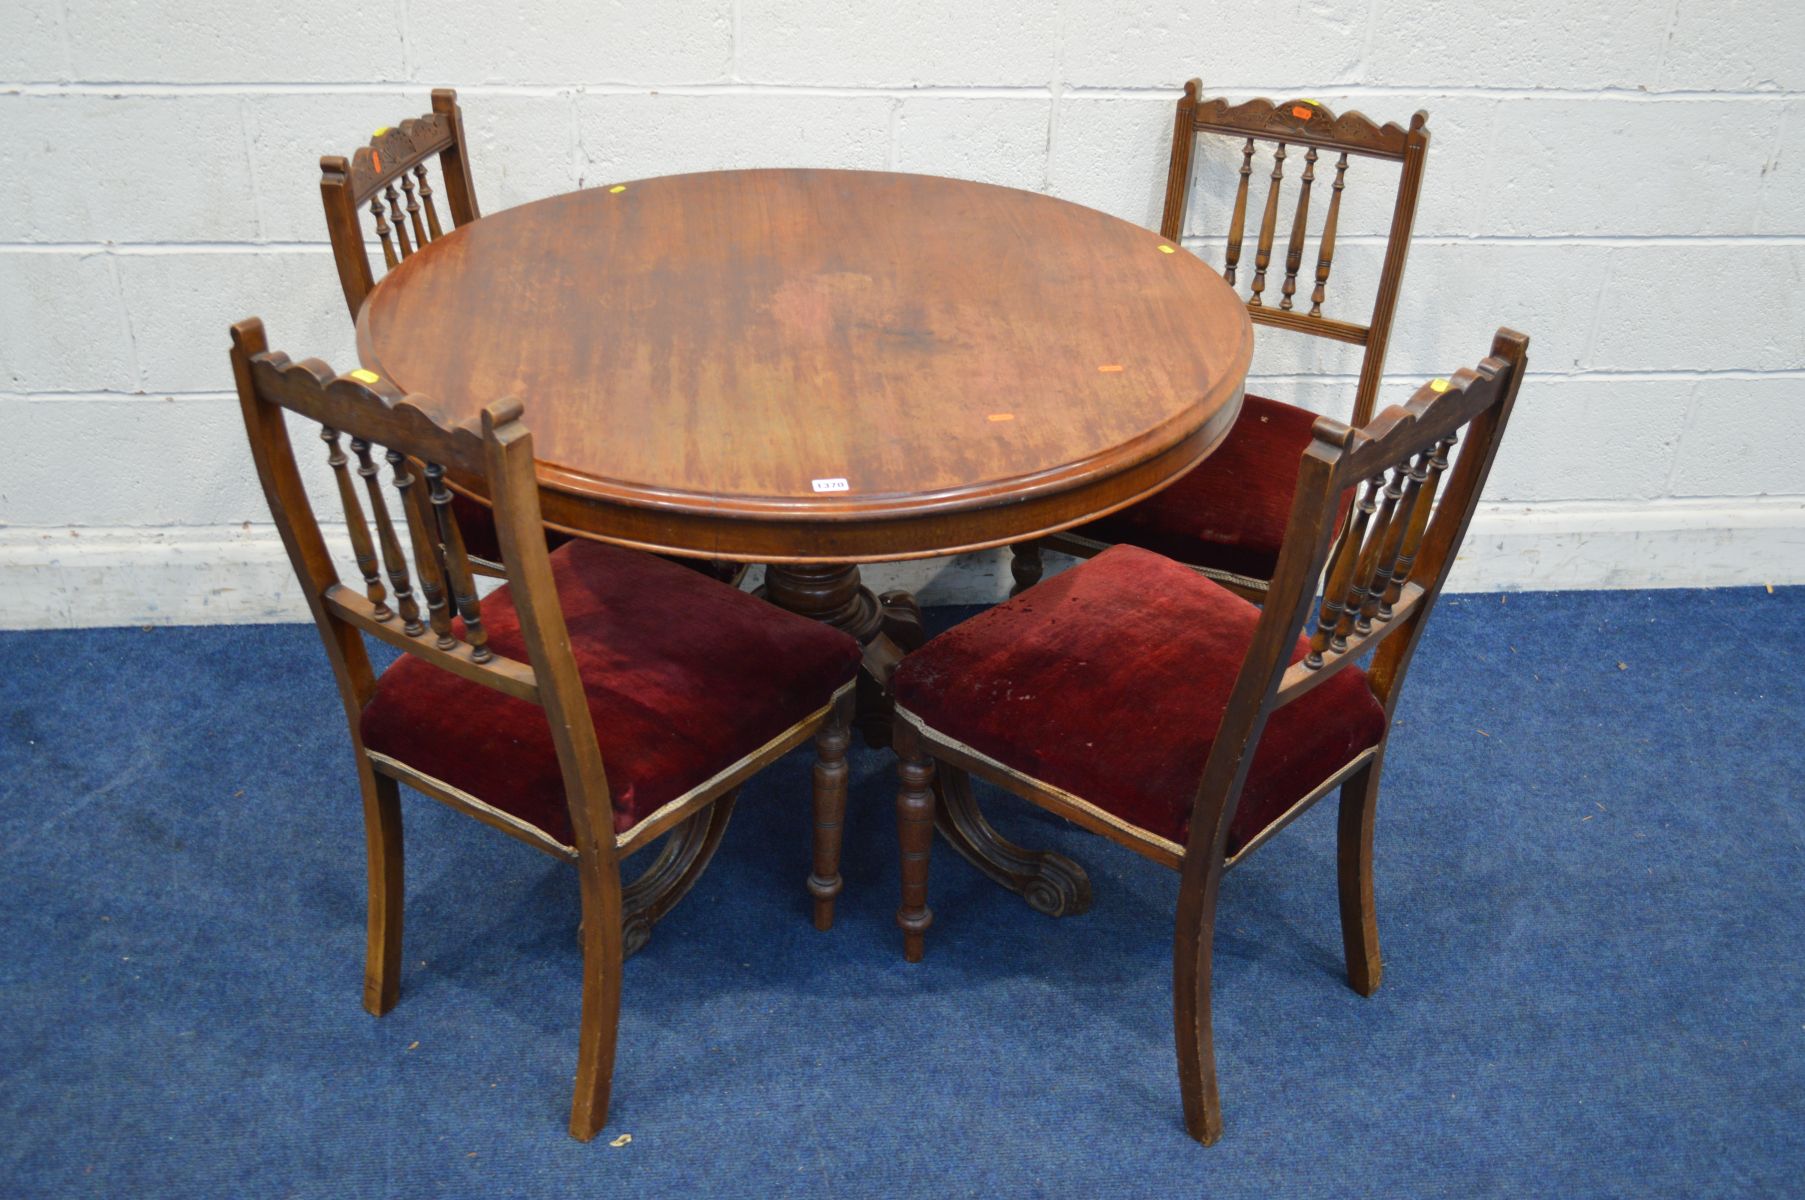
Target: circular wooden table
812 369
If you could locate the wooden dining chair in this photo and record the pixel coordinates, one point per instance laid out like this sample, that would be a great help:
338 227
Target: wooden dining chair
602 698
389 178
1226 518
1147 703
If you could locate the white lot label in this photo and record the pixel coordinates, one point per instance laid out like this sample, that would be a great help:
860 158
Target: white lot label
832 485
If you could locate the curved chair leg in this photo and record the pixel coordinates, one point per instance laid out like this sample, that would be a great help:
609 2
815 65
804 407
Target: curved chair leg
602 956
1354 861
831 741
915 836
1192 944
1025 565
382 847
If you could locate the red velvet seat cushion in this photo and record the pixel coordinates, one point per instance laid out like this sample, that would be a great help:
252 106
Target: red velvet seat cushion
684 677
1229 512
1108 681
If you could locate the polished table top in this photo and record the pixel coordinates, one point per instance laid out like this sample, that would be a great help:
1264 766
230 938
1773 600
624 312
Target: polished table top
814 365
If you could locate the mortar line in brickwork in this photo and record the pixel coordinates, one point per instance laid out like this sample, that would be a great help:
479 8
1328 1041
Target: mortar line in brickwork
1702 240
1165 92
1390 381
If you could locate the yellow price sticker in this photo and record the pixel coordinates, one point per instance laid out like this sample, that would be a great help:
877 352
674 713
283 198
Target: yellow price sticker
380 131
1168 249
617 189
363 376
1438 385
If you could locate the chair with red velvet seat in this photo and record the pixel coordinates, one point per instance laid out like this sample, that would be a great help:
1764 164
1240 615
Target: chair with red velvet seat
1227 517
601 699
1149 704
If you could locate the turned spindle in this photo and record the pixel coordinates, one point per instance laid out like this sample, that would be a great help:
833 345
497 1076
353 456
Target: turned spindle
398 219
459 577
382 232
1351 589
1294 252
1419 520
1239 220
432 215
1368 585
392 557
362 548
1325 251
426 550
1415 471
1268 222
413 209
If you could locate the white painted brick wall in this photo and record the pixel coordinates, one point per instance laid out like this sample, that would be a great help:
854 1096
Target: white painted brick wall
1626 182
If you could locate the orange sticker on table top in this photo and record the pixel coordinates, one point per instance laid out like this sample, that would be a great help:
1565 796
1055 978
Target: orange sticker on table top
1109 368
1000 417
363 376
1438 385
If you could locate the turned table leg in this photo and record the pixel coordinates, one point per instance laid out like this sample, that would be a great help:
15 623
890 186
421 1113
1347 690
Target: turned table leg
889 626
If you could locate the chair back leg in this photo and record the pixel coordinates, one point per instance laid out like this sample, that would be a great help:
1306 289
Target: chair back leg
602 956
382 848
1025 566
1354 863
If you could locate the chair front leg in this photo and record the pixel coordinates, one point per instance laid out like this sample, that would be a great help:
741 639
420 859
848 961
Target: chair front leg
914 835
1354 866
831 740
603 952
1192 945
382 849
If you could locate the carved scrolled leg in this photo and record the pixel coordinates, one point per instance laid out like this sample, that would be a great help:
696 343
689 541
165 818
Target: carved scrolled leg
680 862
1354 862
1025 565
915 837
824 881
1051 883
382 844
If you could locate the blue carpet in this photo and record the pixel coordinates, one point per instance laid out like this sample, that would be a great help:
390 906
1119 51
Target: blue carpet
1591 899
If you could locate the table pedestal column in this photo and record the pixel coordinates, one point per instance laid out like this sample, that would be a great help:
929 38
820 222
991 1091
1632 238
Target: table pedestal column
889 626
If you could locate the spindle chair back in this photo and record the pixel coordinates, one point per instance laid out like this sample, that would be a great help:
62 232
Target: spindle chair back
1322 135
389 177
418 592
